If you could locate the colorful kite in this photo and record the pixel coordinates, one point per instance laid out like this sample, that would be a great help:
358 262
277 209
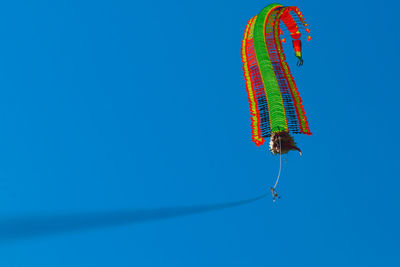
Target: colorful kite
275 105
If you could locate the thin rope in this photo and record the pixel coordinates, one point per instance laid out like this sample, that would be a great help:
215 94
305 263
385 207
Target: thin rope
280 163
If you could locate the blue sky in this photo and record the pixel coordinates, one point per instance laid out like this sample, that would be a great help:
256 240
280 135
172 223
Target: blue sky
126 105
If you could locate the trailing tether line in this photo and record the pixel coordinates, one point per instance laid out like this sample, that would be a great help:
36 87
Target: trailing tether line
40 225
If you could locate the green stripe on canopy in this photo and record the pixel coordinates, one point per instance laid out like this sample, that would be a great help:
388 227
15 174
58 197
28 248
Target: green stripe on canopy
274 98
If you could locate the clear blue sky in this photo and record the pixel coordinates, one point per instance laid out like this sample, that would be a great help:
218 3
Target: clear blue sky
113 105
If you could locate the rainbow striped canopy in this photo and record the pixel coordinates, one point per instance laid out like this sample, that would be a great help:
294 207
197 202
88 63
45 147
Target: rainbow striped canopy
275 103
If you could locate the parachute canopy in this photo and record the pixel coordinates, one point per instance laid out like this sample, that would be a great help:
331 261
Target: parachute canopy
276 108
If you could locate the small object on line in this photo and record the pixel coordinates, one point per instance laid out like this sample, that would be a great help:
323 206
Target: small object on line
275 195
